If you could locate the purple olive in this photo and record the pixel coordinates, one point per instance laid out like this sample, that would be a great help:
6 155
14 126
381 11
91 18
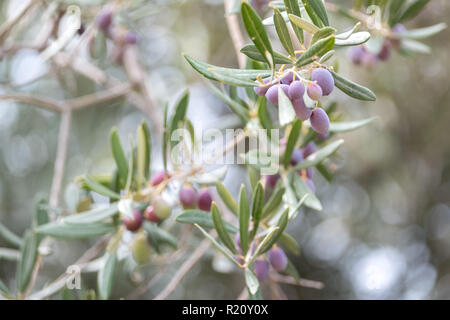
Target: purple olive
278 259
324 79
150 215
314 91
356 54
130 38
272 180
296 157
133 224
262 89
204 200
320 121
385 51
301 110
369 60
157 178
322 136
296 90
188 197
309 149
261 269
288 78
272 93
104 20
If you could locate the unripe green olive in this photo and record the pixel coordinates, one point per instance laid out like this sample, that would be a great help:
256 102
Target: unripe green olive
162 208
141 249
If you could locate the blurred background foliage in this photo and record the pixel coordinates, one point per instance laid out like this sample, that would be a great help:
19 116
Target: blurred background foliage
385 228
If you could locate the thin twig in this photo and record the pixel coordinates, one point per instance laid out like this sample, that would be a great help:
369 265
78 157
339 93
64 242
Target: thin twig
45 103
61 155
8 25
60 282
302 282
235 32
99 97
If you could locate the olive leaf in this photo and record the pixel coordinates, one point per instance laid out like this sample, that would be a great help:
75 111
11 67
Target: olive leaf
201 218
283 33
119 155
227 198
252 52
220 228
353 89
105 276
244 215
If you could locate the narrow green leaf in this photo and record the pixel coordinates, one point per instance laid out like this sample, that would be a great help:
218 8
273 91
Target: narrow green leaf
142 156
244 215
286 112
395 10
293 211
28 256
345 126
422 33
274 201
271 232
257 33
302 189
283 32
412 10
232 79
179 116
257 207
75 231
354 40
303 24
293 8
235 106
227 198
323 33
345 35
158 236
4 289
202 218
220 228
311 10
315 51
289 243
105 276
10 237
91 216
280 226
101 189
206 70
409 45
292 141
264 115
353 89
320 155
9 254
251 281
119 155
217 245
318 8
252 52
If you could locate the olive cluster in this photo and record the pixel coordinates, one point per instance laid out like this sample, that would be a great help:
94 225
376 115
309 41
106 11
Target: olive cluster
321 84
190 198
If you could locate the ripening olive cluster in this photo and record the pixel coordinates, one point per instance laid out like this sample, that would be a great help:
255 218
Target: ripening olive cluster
159 209
321 84
120 37
360 55
297 156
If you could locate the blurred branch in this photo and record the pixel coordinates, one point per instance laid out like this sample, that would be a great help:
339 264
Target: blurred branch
99 97
60 282
61 155
302 282
9 24
45 103
235 32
